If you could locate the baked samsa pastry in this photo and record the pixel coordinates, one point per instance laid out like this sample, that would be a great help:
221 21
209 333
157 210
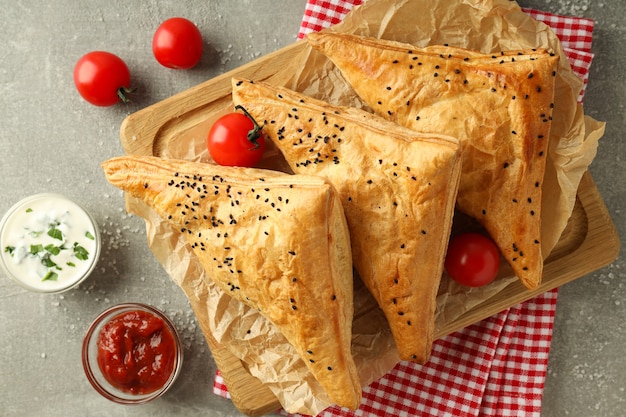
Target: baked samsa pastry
274 241
397 188
499 105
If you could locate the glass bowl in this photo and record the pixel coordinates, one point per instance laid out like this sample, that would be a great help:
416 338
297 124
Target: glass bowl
132 386
48 243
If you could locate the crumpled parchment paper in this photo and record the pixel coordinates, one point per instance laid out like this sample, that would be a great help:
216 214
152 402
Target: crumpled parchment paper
487 25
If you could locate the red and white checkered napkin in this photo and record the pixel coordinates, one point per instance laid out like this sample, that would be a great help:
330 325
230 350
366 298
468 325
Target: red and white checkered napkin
496 367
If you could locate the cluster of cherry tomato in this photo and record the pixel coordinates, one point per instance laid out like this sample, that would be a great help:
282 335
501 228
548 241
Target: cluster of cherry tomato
103 78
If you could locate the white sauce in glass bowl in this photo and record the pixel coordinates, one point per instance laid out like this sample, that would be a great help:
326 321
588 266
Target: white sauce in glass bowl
48 243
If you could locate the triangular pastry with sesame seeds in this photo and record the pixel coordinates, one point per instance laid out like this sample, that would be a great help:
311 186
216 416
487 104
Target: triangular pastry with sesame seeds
274 241
397 188
498 105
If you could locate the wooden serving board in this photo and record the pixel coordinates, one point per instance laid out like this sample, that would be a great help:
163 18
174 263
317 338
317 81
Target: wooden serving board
181 122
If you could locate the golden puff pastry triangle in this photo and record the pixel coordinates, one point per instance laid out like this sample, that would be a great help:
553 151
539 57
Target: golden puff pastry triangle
397 188
498 105
274 241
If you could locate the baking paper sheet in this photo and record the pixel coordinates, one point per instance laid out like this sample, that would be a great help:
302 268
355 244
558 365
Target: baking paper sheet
488 26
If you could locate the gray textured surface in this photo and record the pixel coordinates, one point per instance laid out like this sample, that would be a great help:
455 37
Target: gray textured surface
51 140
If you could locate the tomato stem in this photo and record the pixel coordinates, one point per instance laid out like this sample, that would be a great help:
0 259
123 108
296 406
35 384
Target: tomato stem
123 93
255 133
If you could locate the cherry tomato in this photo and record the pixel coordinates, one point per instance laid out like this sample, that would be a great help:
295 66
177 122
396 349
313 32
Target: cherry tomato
177 43
102 78
472 260
236 139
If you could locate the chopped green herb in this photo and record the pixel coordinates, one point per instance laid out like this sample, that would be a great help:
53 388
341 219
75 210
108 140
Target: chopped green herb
9 250
29 210
55 233
80 252
35 249
88 235
72 264
50 276
54 250
47 262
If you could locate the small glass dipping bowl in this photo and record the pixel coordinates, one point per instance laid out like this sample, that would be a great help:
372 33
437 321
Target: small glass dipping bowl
48 243
133 390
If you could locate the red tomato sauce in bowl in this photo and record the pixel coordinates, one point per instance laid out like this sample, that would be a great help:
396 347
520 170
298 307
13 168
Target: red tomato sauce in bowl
132 353
136 352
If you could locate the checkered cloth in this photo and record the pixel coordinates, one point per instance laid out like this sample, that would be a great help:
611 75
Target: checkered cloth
496 367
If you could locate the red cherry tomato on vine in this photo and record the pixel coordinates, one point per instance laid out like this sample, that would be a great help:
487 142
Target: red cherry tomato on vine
177 43
236 139
102 78
472 260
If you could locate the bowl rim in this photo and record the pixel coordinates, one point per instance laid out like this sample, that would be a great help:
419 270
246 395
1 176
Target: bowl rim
91 337
71 284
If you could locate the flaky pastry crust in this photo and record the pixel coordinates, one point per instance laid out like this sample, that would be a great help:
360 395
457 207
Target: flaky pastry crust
499 105
397 188
274 241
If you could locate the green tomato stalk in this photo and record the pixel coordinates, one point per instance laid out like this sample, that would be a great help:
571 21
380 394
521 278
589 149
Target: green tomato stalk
255 133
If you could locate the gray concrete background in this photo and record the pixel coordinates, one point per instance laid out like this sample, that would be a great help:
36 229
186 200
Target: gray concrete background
51 140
